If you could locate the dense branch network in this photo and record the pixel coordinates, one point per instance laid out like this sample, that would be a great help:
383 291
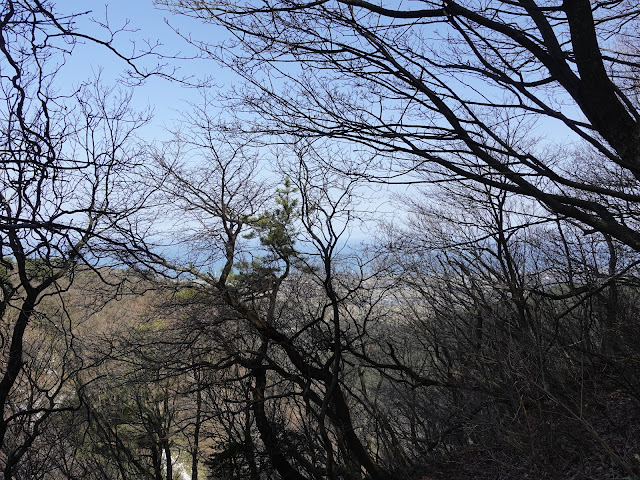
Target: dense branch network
466 90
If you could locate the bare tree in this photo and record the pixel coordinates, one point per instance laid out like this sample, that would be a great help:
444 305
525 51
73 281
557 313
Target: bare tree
65 154
440 90
286 308
505 336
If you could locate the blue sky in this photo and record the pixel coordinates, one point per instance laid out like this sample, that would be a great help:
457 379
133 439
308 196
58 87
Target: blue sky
146 24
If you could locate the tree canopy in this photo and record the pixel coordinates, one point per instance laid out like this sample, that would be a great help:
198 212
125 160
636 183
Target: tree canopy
195 305
536 98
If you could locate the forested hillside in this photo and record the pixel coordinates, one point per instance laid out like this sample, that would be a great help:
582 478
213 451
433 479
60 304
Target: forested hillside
405 246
